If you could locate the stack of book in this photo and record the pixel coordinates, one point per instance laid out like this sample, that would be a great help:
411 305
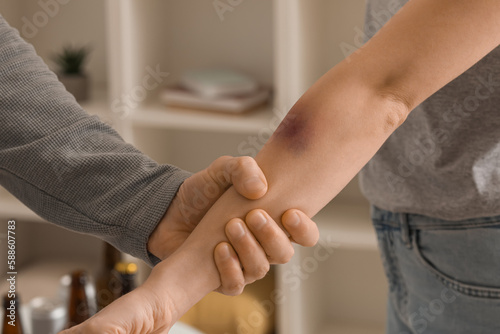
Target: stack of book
217 90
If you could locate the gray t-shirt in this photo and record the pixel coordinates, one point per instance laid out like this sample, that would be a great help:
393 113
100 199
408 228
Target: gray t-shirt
444 161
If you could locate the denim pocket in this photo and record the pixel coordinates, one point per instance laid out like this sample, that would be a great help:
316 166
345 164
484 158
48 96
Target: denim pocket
466 260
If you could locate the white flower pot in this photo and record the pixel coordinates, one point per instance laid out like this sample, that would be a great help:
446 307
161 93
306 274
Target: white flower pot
77 84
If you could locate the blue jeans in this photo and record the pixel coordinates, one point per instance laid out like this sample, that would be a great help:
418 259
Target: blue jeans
444 276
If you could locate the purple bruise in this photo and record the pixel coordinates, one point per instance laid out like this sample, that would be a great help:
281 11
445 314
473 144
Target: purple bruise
292 131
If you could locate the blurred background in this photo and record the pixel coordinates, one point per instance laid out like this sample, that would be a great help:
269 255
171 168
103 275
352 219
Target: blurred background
188 81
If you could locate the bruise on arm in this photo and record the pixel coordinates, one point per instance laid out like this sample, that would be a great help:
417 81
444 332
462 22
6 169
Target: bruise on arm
294 132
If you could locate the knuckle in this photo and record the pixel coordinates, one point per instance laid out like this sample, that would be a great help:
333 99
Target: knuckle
287 256
218 170
224 159
263 233
234 288
218 163
245 162
271 240
261 271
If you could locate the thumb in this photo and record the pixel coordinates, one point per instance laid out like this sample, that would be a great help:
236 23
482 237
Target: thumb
242 172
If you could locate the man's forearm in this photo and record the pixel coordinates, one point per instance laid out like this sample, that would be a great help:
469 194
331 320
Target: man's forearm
69 167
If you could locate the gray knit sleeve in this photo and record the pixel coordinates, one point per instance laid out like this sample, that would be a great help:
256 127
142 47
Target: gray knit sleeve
69 167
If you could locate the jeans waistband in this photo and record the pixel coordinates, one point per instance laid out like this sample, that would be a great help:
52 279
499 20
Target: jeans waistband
421 222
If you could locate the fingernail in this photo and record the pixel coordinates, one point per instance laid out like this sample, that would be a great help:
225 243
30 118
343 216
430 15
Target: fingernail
254 185
293 219
224 252
258 220
236 230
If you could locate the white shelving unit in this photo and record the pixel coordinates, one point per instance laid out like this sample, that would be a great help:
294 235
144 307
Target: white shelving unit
347 225
286 45
159 117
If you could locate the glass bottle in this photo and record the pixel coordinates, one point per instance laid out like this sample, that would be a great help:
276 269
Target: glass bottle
106 282
127 274
78 306
12 319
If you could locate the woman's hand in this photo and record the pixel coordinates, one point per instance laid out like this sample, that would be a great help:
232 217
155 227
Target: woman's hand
138 312
256 245
147 310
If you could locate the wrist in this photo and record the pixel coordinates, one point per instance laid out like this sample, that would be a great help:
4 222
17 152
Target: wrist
178 283
160 307
157 243
154 245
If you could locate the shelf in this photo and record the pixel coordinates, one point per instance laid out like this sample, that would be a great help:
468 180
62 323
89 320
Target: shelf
251 122
189 34
346 328
347 226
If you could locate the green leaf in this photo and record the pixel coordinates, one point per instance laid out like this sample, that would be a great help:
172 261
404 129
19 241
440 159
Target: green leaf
71 59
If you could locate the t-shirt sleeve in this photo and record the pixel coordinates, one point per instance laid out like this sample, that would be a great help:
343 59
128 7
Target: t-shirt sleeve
69 167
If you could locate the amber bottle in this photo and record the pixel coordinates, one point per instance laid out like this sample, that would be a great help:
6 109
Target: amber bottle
78 306
106 282
127 275
12 319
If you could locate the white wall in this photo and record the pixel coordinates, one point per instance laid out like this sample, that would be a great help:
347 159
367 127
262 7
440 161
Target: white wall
48 28
326 24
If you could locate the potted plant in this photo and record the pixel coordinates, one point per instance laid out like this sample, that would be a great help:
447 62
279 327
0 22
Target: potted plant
70 62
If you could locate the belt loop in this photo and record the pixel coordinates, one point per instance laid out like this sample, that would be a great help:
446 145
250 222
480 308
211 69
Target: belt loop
405 230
